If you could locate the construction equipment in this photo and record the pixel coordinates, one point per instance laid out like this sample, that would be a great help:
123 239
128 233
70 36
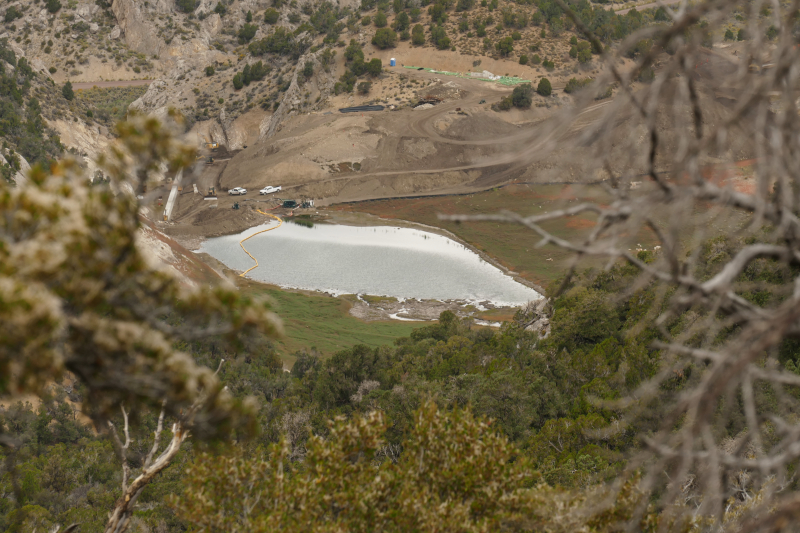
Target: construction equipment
289 204
209 160
236 205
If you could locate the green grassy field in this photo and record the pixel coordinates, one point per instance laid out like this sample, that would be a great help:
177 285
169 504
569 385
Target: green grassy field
323 322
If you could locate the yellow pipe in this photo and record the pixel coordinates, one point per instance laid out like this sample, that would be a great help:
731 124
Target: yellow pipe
280 223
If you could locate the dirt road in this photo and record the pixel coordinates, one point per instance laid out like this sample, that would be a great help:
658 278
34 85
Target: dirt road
648 6
106 84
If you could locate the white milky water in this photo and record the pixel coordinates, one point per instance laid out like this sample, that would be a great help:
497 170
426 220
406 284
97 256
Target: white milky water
376 260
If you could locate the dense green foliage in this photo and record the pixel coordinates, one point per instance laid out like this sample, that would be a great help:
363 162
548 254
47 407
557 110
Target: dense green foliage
187 6
354 60
574 84
271 15
281 42
246 33
384 38
67 92
544 88
418 35
439 37
551 401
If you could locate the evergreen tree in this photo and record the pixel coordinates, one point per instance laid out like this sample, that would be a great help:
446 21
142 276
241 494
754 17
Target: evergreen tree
67 91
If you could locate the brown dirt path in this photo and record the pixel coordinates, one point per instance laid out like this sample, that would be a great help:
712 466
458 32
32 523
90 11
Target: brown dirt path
648 6
107 84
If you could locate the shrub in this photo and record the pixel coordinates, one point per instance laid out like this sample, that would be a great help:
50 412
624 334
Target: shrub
729 35
384 38
246 33
575 84
348 80
646 75
12 13
53 6
404 36
326 58
505 46
209 71
402 21
374 67
523 95
67 91
237 81
187 6
255 72
463 26
583 52
415 13
505 104
220 9
516 36
53 70
366 21
271 16
742 35
544 88
248 17
438 13
418 35
308 69
364 87
439 37
523 59
549 65
573 40
605 94
353 52
772 32
380 20
465 5
543 33
294 18
89 113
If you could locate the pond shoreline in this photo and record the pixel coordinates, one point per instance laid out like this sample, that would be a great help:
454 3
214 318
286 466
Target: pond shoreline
321 216
365 255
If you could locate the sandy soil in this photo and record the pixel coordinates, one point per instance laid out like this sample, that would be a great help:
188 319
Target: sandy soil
458 146
105 84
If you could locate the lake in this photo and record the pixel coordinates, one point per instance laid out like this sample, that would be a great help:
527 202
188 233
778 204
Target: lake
374 260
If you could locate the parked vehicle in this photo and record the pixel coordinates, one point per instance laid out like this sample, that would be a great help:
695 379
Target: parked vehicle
237 190
269 189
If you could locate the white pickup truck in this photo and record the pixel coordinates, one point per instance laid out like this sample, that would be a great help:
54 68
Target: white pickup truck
269 189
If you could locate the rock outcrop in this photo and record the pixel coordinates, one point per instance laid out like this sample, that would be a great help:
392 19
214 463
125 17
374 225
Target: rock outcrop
138 31
293 97
21 175
227 133
536 317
